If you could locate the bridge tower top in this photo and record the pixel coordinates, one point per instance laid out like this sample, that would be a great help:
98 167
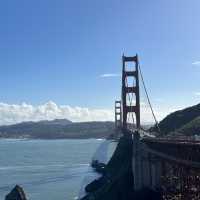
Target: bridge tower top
130 90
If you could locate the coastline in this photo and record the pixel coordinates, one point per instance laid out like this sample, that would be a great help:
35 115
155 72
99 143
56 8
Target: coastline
70 138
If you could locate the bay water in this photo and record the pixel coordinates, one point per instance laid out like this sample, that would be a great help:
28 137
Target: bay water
50 169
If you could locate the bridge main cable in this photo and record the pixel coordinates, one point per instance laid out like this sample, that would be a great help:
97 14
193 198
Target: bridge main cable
147 95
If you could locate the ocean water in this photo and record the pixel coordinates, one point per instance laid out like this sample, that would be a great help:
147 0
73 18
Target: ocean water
50 169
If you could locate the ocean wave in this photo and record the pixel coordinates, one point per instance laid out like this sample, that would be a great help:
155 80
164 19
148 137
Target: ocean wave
42 166
50 179
13 139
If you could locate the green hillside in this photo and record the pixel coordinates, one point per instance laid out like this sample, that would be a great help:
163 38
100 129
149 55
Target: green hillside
57 129
191 128
183 121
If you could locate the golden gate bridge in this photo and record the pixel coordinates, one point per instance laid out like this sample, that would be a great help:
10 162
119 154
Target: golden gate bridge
170 165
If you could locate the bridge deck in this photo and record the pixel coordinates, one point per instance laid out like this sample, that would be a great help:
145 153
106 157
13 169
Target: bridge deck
184 152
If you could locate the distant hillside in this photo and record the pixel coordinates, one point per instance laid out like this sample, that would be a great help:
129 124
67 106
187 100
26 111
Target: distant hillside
185 121
61 122
57 129
191 128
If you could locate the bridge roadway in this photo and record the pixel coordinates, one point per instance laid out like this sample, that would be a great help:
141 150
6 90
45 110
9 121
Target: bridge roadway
179 151
170 164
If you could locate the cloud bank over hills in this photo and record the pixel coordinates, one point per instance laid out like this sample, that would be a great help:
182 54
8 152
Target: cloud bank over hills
15 113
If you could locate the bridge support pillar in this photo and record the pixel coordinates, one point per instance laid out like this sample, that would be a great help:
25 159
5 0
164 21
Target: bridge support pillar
146 168
155 173
130 91
137 162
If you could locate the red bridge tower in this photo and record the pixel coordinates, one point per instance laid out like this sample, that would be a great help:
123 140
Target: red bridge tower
130 105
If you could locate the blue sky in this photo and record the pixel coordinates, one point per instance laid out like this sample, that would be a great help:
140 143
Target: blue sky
58 50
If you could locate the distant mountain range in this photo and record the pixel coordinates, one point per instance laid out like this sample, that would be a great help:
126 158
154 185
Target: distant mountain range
182 122
57 129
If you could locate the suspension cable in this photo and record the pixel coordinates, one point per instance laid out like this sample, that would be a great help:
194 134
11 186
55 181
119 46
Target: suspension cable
148 99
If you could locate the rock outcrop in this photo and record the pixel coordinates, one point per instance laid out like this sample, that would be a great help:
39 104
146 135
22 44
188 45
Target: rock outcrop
17 193
117 181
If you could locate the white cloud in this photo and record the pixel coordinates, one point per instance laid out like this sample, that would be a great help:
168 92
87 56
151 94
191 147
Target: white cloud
197 93
10 114
109 75
196 62
160 113
15 113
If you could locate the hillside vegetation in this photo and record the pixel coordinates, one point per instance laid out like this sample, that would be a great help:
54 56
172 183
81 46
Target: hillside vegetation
57 129
185 122
191 128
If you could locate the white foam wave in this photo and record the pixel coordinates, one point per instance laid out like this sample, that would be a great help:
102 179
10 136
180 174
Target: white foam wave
39 166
